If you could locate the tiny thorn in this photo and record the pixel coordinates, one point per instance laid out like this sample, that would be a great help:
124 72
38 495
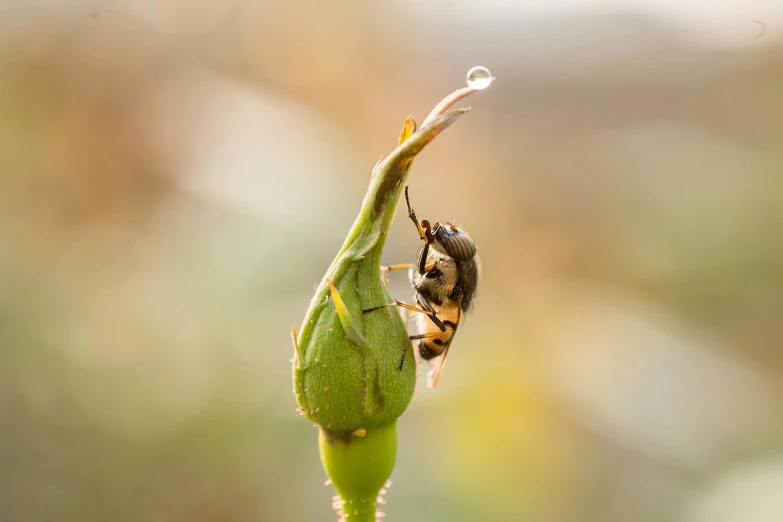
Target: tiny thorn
297 349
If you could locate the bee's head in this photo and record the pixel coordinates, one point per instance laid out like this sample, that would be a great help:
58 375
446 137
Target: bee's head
453 241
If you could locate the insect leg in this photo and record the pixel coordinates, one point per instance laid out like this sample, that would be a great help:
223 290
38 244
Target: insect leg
398 267
374 308
428 307
402 356
423 258
412 215
430 313
425 336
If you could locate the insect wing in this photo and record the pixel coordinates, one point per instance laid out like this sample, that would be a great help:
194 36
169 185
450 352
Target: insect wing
436 367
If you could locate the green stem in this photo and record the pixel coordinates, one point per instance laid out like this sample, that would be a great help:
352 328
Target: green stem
359 467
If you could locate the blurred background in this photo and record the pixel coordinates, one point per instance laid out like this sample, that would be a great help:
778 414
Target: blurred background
176 175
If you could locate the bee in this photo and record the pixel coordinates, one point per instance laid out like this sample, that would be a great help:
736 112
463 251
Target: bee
444 281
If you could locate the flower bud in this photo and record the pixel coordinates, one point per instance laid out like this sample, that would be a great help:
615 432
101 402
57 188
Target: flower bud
347 372
354 373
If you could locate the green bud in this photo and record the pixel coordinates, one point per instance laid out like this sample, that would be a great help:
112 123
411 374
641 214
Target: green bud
346 370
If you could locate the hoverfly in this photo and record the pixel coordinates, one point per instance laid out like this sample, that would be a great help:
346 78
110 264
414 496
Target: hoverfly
444 280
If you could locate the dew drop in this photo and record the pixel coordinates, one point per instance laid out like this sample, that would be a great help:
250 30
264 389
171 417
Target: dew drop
479 78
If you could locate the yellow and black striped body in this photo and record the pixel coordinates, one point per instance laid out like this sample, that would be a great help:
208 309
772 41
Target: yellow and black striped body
449 313
448 286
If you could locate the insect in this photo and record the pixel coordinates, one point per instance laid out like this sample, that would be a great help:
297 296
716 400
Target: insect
444 280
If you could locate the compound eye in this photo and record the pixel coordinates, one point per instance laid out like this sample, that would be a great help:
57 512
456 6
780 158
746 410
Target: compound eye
456 243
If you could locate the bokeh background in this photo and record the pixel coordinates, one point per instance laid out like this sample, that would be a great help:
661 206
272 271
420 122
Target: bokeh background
176 175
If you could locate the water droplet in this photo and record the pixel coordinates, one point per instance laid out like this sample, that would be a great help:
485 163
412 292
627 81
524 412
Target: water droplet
479 78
